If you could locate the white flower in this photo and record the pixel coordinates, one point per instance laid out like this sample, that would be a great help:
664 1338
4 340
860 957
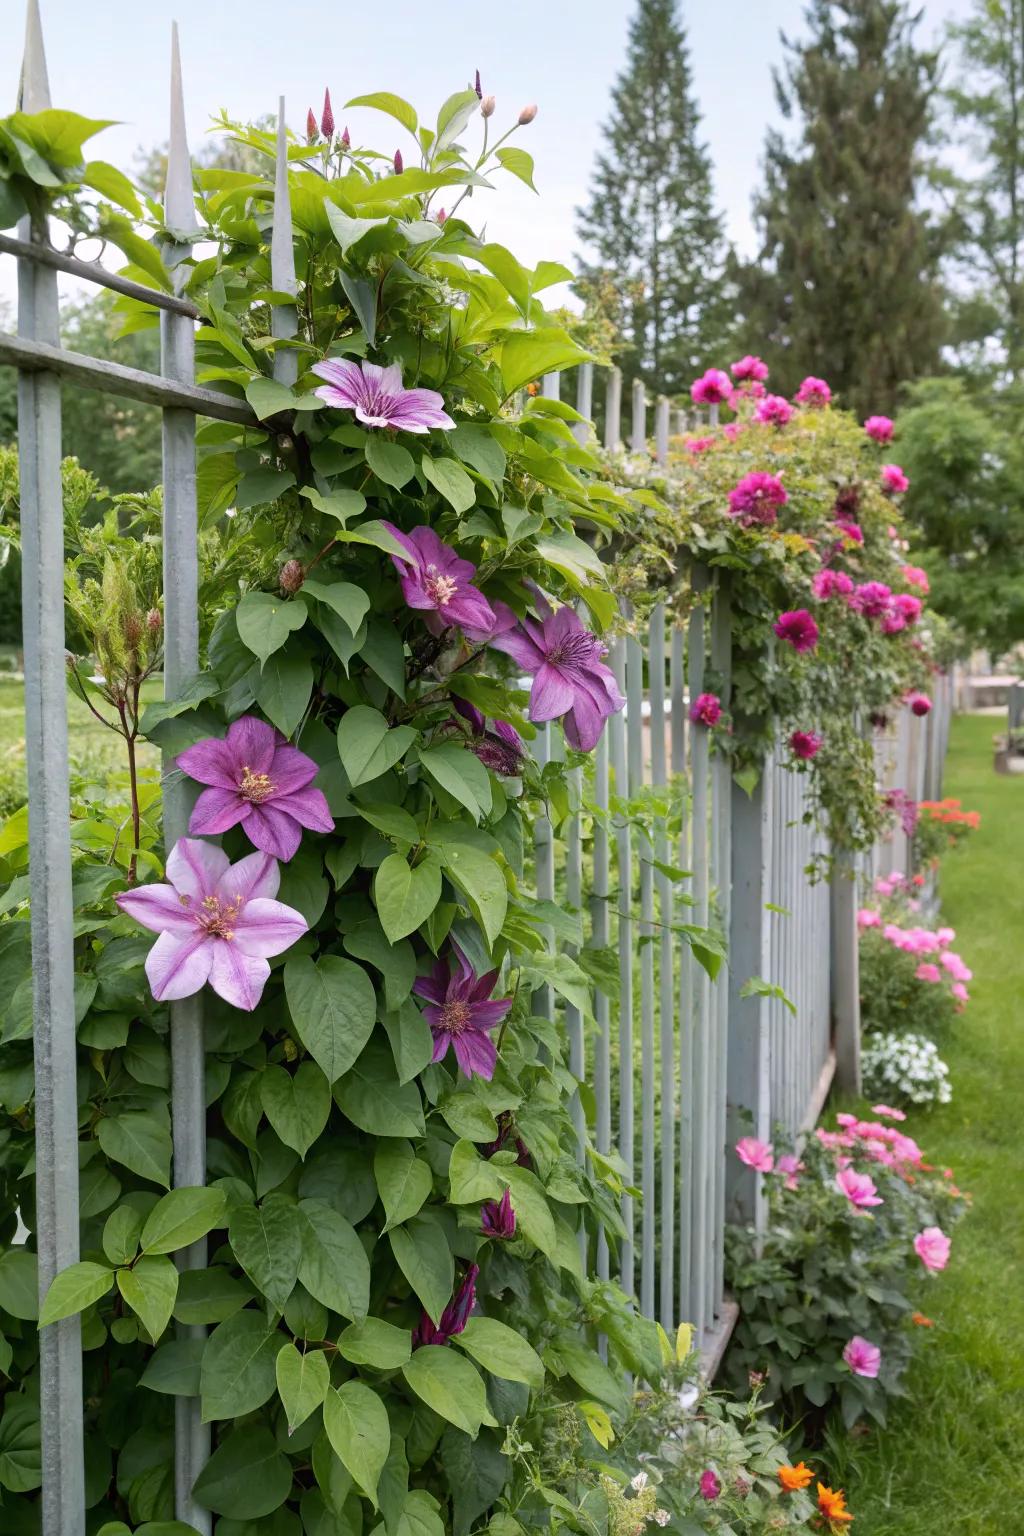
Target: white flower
639 1483
661 1517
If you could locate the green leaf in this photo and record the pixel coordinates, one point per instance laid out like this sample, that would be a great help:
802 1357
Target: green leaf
449 1385
111 183
389 461
357 1426
174 1368
181 1218
347 230
55 134
394 106
141 1142
405 894
481 881
362 295
333 1265
375 1101
208 1296
461 774
396 961
480 449
449 478
246 1477
473 1179
501 1350
376 1343
453 117
533 1214
392 821
21 1464
283 689
350 603
333 1008
404 1181
302 1381
149 1289
296 1106
237 1374
342 502
267 1242
74 1289
368 746
268 396
519 162
265 621
121 1233
589 1371
422 1253
468 1115
526 355
261 487
412 1044
19 1284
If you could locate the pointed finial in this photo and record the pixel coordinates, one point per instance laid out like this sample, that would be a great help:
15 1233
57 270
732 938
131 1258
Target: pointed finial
34 87
284 320
179 202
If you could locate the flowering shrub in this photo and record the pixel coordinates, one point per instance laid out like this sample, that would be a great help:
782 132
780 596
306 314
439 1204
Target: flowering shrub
905 1069
942 825
911 978
827 1299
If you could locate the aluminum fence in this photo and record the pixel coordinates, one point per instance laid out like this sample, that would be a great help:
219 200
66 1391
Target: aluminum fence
676 1065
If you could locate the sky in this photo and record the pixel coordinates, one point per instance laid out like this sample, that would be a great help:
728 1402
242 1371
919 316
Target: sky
112 60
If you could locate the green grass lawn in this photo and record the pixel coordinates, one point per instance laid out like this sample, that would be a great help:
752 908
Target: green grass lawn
952 1459
89 742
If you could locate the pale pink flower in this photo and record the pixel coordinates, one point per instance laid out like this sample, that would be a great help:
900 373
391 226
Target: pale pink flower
863 1357
869 917
859 1188
914 576
756 1154
932 1248
790 1165
887 1112
960 992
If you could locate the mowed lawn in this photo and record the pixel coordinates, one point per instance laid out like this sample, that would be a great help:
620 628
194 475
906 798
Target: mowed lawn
90 743
952 1459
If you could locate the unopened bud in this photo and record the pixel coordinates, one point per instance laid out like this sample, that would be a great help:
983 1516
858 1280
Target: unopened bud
399 163
487 106
478 87
133 629
528 114
291 576
154 621
311 129
70 660
345 140
327 120
441 216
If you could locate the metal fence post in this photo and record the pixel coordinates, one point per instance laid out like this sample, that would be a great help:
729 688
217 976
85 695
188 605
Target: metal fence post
638 432
613 410
46 752
581 430
845 974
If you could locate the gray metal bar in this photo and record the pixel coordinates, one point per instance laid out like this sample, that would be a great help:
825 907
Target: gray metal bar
613 409
46 752
116 379
284 318
661 430
624 879
92 272
181 661
584 403
551 388
643 937
544 862
574 898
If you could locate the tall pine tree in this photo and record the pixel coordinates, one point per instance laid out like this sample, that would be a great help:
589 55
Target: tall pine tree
651 219
846 282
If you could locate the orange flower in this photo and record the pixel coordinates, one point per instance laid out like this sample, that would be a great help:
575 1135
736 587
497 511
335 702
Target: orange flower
796 1477
833 1506
921 1321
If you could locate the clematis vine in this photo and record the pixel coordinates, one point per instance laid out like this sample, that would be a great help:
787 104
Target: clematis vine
438 582
454 1317
798 629
756 498
218 922
460 1013
378 397
255 778
570 678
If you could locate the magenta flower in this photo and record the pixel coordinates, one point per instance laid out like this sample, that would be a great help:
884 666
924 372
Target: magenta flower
399 163
879 429
255 777
218 922
774 410
813 392
828 584
920 704
437 581
710 1487
894 479
712 388
570 677
756 1154
460 1012
697 445
499 747
805 744
756 498
932 1248
798 629
454 1317
706 709
497 1218
872 599
859 1188
750 368
377 396
850 530
863 1357
327 120
346 142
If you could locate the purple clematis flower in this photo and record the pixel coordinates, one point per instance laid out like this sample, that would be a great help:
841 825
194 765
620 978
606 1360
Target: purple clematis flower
454 1317
378 398
570 677
497 1218
255 777
435 579
500 748
218 922
460 1011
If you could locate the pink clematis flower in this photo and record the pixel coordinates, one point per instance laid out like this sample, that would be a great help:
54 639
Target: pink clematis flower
378 397
894 480
570 677
454 1317
805 744
750 368
879 428
257 779
712 388
437 581
756 1154
218 922
920 704
859 1188
774 410
863 1357
813 392
710 1486
497 1218
798 629
932 1248
460 1013
828 584
706 709
756 499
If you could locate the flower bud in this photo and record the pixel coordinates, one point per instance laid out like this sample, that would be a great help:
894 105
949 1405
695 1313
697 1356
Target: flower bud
311 128
441 216
399 163
478 87
154 621
528 114
345 140
133 630
327 120
291 576
487 106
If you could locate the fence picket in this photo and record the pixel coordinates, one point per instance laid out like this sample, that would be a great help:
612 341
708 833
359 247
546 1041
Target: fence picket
284 318
624 886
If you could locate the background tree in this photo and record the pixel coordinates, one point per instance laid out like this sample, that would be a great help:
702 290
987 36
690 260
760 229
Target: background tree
651 219
845 284
118 440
